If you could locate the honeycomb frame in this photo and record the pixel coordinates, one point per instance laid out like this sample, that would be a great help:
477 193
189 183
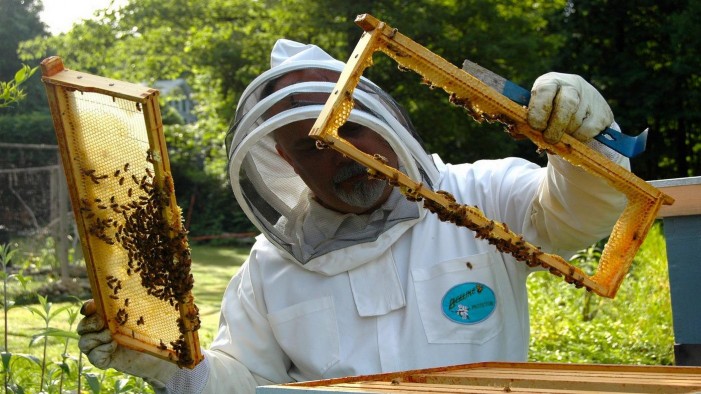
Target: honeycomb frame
115 159
486 104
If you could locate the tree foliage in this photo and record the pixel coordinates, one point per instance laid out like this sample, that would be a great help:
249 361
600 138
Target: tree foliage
645 58
222 45
641 55
19 21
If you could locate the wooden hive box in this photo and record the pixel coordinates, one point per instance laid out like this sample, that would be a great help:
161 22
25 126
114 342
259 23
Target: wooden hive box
501 377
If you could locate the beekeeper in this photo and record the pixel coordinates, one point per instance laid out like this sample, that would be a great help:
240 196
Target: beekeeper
351 278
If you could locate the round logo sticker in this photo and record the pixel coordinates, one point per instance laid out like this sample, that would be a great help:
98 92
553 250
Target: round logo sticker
468 303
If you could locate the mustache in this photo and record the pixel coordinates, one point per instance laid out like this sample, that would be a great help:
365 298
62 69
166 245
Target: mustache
348 171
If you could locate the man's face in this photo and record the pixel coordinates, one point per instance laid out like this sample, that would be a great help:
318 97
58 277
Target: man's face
337 182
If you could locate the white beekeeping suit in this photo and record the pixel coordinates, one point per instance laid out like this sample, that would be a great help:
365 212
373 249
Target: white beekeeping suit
327 294
395 289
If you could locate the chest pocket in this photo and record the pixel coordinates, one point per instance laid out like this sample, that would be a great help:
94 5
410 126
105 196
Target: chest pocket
459 300
308 333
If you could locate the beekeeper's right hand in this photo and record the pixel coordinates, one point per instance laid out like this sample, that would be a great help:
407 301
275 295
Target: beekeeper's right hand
103 352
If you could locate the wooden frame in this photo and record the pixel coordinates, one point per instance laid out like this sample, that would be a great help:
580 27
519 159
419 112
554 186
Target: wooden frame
485 104
505 377
114 156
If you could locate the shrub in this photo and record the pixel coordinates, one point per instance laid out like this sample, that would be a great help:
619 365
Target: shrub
574 326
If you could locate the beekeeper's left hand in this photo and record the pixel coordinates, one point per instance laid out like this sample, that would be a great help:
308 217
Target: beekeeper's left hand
566 103
103 352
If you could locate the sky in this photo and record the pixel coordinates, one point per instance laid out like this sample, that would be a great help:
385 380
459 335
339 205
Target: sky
60 15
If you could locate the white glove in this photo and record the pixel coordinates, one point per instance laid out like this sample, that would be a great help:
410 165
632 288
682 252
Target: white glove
566 103
103 352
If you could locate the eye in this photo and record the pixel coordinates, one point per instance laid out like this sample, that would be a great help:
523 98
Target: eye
350 130
305 145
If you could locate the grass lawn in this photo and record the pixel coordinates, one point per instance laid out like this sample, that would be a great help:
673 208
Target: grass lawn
212 268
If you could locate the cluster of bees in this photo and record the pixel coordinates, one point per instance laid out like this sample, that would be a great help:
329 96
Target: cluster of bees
479 116
457 214
521 250
157 250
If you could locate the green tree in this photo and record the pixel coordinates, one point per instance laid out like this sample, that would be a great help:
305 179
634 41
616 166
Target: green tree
150 40
19 21
456 30
644 57
221 45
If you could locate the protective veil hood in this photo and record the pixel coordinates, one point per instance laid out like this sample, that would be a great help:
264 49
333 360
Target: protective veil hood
276 199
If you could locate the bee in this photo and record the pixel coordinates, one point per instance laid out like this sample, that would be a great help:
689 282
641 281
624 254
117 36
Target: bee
126 302
138 107
469 265
116 173
380 158
129 192
126 167
121 181
122 316
140 321
162 345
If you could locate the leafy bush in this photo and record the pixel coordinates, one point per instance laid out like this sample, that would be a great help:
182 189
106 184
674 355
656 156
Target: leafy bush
27 128
10 92
51 363
574 326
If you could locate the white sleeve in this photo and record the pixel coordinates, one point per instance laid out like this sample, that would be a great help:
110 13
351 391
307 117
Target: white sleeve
573 208
217 373
228 375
